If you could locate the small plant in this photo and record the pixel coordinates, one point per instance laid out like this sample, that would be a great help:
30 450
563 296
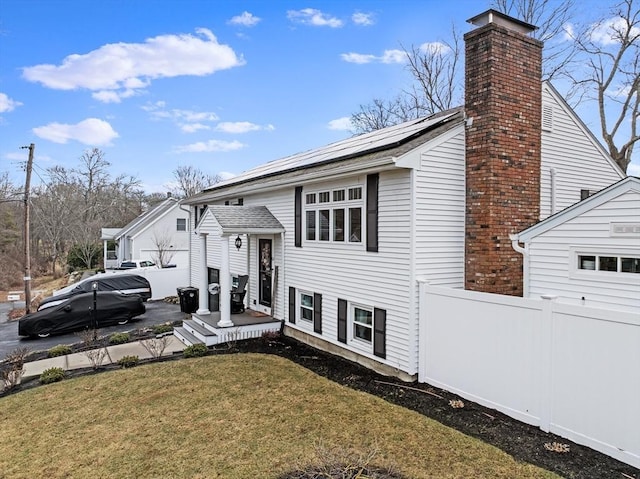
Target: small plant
96 356
195 351
119 338
556 447
128 361
270 336
52 375
162 328
59 350
12 368
156 346
456 403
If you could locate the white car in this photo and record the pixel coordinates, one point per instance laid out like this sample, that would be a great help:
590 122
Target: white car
137 263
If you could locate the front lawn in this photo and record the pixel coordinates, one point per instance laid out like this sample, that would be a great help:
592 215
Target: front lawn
227 416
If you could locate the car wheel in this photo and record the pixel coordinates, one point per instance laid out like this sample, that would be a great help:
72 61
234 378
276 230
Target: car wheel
44 335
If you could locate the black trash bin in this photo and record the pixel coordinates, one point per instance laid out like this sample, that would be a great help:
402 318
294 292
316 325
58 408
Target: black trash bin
188 296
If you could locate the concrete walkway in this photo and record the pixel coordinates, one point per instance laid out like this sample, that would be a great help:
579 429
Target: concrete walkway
114 353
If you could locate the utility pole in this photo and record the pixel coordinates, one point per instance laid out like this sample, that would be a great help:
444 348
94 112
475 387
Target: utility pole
27 235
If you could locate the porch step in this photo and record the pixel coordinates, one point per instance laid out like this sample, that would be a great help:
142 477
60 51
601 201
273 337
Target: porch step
196 327
186 337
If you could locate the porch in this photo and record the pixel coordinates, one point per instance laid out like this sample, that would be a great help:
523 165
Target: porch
204 329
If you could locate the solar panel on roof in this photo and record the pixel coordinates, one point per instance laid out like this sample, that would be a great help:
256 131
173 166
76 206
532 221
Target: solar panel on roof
360 144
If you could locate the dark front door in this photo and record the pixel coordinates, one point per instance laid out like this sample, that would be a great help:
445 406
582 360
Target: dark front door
264 266
214 299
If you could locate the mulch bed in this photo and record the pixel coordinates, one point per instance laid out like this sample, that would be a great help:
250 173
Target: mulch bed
523 442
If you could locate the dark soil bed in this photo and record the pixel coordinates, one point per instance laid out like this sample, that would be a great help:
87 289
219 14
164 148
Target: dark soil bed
523 442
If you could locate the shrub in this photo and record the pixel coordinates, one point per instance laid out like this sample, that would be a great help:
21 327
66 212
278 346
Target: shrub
128 361
195 350
52 375
269 336
155 346
12 368
119 338
59 350
162 328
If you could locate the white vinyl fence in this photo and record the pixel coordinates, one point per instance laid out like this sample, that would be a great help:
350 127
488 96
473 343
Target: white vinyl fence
571 370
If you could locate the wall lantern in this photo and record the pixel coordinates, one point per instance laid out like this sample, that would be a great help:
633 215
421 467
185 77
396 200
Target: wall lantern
238 242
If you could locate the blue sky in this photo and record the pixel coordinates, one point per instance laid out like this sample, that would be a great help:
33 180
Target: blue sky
219 85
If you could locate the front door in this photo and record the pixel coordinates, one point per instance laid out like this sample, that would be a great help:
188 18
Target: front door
264 267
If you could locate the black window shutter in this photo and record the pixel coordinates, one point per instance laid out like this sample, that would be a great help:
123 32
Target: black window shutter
292 305
342 320
298 217
379 332
317 313
372 212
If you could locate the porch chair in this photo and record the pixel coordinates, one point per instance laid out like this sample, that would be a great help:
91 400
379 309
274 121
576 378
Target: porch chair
237 295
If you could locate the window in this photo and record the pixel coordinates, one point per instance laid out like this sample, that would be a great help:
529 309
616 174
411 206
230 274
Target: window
324 225
181 224
355 193
338 225
609 262
355 225
306 307
362 323
335 218
311 225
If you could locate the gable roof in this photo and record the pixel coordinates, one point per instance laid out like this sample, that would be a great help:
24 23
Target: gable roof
148 217
389 141
585 129
245 219
630 183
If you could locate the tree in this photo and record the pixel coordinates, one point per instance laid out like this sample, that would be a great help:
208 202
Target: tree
607 71
190 180
602 64
163 242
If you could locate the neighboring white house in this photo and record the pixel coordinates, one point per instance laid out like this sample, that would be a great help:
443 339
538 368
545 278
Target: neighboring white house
588 253
335 239
160 234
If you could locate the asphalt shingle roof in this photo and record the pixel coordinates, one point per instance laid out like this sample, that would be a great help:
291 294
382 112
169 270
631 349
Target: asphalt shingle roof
246 219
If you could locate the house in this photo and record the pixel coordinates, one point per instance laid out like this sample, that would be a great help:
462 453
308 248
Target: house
588 253
160 234
334 239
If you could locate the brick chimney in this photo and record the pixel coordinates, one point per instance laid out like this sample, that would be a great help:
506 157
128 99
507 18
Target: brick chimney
503 96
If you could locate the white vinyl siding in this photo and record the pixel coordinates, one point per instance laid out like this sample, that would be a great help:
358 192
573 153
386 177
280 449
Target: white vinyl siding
554 255
578 162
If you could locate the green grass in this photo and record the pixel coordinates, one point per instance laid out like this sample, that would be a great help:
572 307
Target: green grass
237 416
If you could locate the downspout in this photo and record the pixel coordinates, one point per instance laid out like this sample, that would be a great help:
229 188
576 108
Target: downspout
524 251
552 172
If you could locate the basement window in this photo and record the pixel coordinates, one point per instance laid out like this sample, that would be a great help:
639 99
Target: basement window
609 263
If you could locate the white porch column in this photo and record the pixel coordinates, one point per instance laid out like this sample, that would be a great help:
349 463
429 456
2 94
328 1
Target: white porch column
104 253
203 298
225 285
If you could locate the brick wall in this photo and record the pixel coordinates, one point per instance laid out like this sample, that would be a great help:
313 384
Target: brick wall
503 98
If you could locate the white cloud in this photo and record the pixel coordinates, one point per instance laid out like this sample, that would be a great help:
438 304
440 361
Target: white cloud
388 56
209 146
7 104
189 121
193 127
120 70
316 18
245 19
569 32
435 48
363 19
225 175
91 131
607 32
241 127
343 124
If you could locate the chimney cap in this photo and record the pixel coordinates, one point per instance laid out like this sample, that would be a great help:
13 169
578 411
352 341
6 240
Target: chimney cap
494 16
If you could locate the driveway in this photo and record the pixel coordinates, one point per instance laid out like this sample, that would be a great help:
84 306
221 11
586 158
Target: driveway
158 312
